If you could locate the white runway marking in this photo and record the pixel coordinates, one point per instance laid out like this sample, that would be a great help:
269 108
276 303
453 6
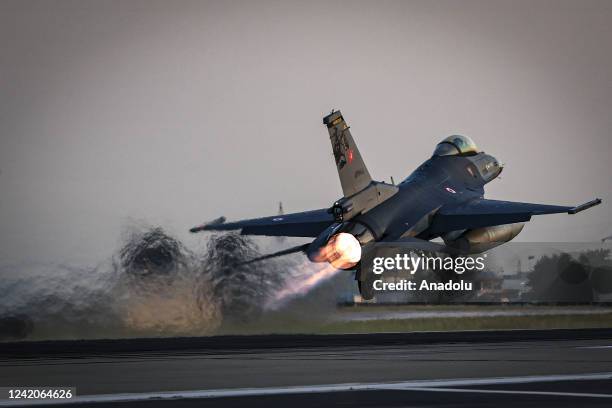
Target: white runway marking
594 347
416 385
553 393
419 314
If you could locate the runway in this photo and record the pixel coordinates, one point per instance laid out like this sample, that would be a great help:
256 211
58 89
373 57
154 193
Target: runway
533 368
423 314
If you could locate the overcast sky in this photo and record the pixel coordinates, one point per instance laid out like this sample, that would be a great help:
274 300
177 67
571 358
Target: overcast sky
173 113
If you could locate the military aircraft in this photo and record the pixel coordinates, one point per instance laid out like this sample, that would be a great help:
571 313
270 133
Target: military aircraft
443 198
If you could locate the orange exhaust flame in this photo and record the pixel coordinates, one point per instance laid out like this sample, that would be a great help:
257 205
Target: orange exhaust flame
343 251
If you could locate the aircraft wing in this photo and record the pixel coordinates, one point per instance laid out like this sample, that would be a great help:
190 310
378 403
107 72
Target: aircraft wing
303 224
485 213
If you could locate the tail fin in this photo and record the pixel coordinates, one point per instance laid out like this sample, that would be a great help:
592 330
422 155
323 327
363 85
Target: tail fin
354 175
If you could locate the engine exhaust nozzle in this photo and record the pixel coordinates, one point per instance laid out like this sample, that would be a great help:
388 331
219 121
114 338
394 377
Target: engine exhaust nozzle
342 251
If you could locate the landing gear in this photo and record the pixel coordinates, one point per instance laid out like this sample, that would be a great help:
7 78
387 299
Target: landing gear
365 290
365 283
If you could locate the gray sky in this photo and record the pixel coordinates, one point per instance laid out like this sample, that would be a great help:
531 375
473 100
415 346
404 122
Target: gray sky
173 113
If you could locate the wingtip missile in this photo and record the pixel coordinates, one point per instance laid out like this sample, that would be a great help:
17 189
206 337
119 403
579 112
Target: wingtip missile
204 227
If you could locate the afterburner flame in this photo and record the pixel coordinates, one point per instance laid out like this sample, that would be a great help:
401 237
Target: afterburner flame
343 251
309 275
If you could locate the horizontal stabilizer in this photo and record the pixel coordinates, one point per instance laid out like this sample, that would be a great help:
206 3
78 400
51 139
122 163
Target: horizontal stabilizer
216 221
304 224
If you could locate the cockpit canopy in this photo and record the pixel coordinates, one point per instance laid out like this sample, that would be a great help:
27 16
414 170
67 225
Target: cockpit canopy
456 145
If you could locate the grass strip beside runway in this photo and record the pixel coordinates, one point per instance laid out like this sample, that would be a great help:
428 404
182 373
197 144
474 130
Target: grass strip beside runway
559 321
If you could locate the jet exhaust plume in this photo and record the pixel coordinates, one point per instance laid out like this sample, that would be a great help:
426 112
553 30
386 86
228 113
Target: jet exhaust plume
239 289
152 252
155 286
310 276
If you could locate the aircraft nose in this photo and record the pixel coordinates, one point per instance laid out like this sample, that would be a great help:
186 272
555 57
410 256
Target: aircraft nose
489 167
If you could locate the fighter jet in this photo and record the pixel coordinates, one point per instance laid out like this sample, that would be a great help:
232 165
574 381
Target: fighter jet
442 198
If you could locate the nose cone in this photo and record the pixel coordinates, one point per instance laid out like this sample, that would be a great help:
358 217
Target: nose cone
488 166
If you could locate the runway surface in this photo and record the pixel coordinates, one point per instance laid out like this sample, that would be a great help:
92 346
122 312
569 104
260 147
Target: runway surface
507 368
421 314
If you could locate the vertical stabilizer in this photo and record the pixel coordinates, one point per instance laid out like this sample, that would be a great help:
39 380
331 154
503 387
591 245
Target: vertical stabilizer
354 175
